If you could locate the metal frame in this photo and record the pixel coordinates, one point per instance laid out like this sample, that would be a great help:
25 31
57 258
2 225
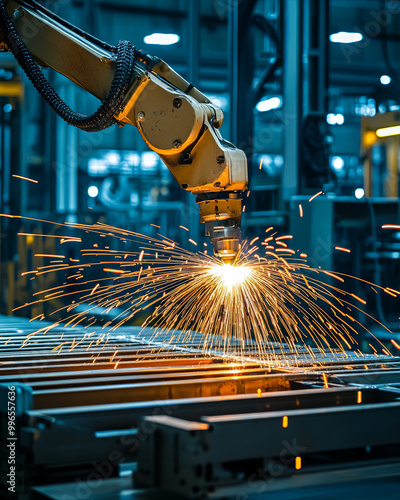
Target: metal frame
226 450
73 414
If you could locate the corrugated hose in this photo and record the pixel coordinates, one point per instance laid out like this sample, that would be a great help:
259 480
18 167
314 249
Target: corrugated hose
103 117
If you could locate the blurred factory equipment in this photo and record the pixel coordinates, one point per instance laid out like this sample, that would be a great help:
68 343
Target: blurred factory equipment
380 152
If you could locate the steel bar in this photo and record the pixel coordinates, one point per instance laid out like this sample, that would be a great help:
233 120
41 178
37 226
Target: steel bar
82 404
225 448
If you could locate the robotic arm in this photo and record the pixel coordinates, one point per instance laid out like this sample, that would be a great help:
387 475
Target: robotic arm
175 120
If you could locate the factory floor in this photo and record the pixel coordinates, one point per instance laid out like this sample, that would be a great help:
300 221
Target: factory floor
71 393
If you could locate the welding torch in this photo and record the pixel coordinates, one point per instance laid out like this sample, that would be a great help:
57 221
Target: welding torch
175 119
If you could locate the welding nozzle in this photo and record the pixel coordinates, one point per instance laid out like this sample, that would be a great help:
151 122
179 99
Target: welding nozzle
225 238
222 215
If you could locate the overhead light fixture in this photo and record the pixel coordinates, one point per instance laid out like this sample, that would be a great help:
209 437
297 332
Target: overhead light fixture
335 119
385 79
93 191
339 119
149 160
359 193
345 37
161 39
268 104
388 131
331 119
337 163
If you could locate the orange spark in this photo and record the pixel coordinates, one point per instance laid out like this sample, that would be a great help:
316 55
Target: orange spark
25 178
288 250
397 346
315 195
343 249
71 240
334 276
49 255
359 299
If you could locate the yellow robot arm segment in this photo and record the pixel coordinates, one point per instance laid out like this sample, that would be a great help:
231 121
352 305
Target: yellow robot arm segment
176 120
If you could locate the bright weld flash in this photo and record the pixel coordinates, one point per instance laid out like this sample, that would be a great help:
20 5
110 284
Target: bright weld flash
231 275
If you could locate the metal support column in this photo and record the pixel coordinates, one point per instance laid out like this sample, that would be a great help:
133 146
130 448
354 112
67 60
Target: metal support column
307 137
292 92
316 137
241 70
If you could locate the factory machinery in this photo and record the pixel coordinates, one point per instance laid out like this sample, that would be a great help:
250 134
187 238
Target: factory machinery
140 416
175 119
168 421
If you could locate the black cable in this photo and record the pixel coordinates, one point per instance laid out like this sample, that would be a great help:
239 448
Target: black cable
103 117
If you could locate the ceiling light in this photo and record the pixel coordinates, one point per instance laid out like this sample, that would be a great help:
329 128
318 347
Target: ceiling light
339 119
93 191
161 39
149 160
337 162
359 193
268 104
333 119
388 131
385 79
345 37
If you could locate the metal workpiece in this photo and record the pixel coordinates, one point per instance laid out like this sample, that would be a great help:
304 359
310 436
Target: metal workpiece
228 453
195 425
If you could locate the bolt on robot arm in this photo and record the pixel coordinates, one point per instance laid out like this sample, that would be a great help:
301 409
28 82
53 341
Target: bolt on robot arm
175 120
